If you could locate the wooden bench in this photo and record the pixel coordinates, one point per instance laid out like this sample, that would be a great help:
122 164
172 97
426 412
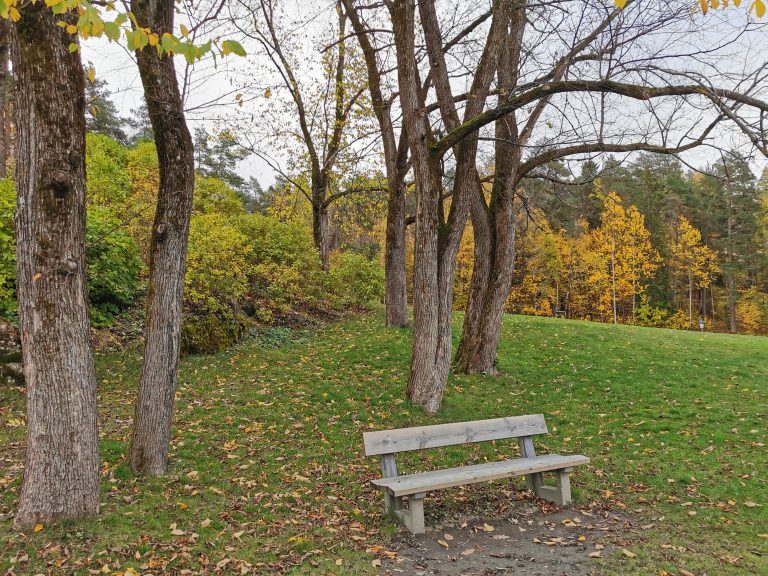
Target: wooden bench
387 443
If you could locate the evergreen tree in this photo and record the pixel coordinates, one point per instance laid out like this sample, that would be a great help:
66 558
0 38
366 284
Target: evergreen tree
101 115
143 131
217 156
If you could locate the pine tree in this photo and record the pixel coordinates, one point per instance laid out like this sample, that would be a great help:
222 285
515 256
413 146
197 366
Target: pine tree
101 115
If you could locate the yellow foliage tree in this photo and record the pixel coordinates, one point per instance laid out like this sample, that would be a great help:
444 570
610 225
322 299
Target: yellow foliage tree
691 260
623 243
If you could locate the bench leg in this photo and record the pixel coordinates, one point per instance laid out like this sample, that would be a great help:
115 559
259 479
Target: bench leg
533 481
560 494
392 504
413 518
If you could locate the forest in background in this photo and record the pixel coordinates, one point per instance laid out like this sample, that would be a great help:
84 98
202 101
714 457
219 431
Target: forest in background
648 242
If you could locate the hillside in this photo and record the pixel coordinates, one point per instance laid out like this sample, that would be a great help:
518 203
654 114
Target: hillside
268 474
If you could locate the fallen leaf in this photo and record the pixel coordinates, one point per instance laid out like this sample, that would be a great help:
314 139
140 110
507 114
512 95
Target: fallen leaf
750 504
684 572
205 523
376 563
175 531
448 537
443 543
339 561
488 528
627 553
468 551
595 554
39 527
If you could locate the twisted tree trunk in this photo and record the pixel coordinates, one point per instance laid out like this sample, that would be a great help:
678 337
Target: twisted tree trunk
155 403
437 237
494 227
61 473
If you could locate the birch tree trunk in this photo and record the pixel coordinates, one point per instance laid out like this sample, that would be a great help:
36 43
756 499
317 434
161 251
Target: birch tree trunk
61 473
155 404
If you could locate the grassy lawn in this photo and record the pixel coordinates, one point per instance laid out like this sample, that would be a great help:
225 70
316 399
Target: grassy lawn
268 474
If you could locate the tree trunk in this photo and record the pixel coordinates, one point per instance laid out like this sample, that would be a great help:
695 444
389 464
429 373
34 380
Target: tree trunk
437 239
429 365
155 404
730 273
4 112
395 160
690 301
396 287
61 474
494 229
320 232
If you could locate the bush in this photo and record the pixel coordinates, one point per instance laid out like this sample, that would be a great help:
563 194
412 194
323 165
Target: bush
216 284
284 265
113 266
650 316
752 312
213 195
357 280
7 249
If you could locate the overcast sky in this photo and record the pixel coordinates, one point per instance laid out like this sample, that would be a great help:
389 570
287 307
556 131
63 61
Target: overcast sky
218 85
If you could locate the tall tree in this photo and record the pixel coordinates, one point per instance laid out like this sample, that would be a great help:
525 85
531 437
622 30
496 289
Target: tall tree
151 436
101 113
437 236
326 112
693 262
396 164
61 474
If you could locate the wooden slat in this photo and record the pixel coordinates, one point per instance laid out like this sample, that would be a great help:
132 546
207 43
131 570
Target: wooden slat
449 477
418 438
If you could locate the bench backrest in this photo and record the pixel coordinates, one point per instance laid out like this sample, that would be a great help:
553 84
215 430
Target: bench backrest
421 437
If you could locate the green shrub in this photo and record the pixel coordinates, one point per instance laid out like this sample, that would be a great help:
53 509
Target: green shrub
647 315
284 265
216 284
357 280
7 249
109 182
113 266
213 195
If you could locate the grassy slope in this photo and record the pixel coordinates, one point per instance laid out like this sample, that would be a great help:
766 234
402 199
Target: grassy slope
268 449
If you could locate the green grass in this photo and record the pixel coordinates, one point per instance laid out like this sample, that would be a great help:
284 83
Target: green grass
268 473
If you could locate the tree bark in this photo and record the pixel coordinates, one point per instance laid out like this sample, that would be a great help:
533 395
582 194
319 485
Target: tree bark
320 232
437 238
395 279
155 404
494 229
395 161
4 111
61 474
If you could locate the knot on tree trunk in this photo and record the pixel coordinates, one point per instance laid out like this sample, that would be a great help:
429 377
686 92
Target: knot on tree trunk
67 267
61 183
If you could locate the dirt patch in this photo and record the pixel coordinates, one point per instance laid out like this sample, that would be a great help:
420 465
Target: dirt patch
532 539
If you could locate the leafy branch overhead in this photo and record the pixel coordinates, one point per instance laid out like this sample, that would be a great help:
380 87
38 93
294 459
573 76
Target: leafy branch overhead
757 6
91 23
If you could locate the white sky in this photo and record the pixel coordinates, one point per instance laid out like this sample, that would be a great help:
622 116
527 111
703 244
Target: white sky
116 65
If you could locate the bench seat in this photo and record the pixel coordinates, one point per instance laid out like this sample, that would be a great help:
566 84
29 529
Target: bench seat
410 484
399 490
